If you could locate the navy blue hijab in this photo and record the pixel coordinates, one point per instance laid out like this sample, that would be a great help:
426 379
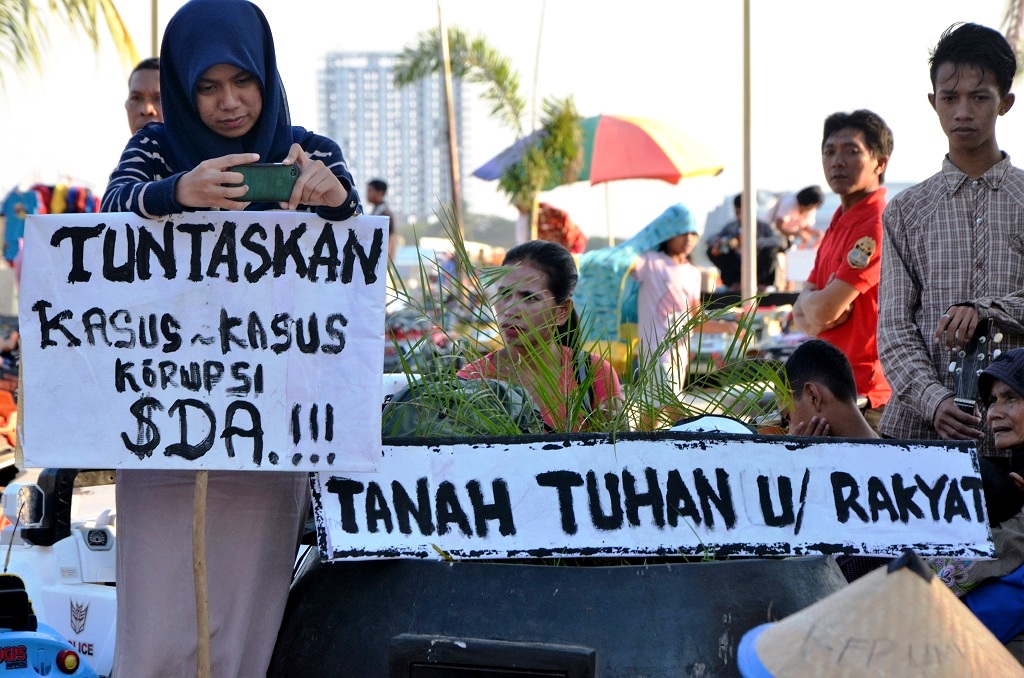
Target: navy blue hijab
202 34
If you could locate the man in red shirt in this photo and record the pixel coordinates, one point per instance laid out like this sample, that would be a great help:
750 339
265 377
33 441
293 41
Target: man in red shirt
839 303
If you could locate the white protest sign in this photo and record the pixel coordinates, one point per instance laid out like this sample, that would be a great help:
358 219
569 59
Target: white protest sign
204 340
666 494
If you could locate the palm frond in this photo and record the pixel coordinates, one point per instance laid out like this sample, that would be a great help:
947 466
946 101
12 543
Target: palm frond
730 384
21 31
735 385
1013 26
501 84
561 140
473 60
554 158
24 36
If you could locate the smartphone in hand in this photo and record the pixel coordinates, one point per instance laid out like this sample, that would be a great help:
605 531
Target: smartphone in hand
267 182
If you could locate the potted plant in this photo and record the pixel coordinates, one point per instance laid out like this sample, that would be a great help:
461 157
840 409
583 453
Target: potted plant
652 615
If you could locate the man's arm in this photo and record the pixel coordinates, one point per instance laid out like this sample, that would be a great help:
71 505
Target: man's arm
769 238
729 232
133 185
957 325
818 310
1007 312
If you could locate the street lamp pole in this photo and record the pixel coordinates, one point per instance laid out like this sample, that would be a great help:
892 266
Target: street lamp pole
154 31
748 246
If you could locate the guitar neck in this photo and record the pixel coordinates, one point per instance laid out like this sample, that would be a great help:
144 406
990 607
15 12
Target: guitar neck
969 361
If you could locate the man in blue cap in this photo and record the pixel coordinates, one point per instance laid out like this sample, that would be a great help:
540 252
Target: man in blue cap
1001 389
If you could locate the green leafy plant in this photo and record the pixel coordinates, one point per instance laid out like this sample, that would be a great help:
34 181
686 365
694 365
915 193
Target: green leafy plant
726 381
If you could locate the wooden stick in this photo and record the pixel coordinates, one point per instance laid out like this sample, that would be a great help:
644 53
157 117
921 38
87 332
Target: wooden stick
199 572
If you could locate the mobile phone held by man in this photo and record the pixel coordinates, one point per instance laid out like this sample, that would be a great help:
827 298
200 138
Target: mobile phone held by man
267 182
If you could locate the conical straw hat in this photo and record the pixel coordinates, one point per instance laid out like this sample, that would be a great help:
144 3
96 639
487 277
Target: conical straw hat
898 621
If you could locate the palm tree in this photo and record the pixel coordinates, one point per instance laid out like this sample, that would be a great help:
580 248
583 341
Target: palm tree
23 25
555 151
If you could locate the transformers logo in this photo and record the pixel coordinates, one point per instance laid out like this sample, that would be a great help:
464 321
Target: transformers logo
78 614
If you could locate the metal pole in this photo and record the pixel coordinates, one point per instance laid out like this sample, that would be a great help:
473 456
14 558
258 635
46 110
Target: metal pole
608 215
535 204
536 69
453 142
154 31
748 246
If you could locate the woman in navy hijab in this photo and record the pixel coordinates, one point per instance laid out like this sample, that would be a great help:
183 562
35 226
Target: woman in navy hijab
224 105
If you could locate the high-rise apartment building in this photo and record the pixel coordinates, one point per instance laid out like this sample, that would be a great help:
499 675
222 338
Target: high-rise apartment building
395 133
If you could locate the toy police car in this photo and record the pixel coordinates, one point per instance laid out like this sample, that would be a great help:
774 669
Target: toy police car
27 647
57 614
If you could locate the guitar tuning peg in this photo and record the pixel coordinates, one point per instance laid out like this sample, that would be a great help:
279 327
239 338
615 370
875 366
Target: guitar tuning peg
961 353
997 338
982 340
981 356
996 353
952 367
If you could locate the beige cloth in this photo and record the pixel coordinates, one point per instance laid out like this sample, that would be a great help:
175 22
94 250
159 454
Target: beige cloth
253 523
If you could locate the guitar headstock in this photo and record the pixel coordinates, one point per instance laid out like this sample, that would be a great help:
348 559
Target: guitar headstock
970 360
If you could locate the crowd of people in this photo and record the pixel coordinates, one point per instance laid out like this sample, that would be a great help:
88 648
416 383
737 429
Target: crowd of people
901 293
789 223
900 297
947 251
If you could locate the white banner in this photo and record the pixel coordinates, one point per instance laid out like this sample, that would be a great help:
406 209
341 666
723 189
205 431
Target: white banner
666 494
205 340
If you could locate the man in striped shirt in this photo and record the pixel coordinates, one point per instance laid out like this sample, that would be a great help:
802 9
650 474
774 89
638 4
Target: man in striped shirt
954 246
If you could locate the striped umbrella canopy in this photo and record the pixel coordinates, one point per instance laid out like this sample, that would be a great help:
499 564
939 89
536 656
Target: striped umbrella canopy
621 147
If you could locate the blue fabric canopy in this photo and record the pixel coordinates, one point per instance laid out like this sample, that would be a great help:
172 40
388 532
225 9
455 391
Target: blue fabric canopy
606 296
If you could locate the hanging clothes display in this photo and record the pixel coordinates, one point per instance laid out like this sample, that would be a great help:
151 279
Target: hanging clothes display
61 198
17 206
